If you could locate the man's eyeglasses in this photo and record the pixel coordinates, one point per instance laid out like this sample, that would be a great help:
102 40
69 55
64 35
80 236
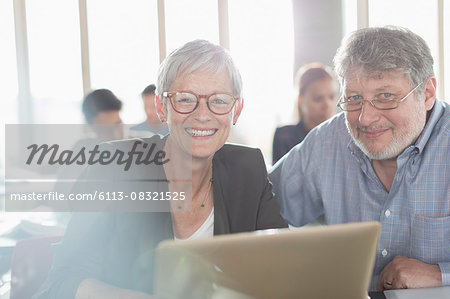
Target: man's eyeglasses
186 102
384 101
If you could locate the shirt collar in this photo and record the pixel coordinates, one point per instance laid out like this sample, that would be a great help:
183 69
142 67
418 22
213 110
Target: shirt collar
435 115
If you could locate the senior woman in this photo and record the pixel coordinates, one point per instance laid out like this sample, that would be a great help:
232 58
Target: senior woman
110 255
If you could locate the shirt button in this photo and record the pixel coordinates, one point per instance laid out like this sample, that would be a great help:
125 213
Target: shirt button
384 252
387 213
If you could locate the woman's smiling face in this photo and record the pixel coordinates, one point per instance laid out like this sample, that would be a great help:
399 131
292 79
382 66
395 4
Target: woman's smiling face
201 132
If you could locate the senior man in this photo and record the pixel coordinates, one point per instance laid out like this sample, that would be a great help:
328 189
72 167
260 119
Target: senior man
385 158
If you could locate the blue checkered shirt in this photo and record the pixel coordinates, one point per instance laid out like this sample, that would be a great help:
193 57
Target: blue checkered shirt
327 173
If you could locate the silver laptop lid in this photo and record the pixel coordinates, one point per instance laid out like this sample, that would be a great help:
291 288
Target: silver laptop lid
333 261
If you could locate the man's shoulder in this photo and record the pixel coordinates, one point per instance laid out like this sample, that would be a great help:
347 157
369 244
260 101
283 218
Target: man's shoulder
440 128
446 117
330 132
324 143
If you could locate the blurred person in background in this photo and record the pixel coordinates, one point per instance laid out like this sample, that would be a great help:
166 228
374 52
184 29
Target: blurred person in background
316 102
101 106
101 109
152 125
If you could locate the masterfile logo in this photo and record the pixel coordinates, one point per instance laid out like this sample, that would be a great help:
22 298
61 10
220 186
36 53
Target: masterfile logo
70 168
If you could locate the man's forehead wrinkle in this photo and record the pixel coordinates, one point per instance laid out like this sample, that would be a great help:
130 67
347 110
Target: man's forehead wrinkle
358 73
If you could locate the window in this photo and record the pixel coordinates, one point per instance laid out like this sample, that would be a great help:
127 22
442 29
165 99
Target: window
350 17
261 41
123 50
420 16
417 15
8 76
55 63
189 20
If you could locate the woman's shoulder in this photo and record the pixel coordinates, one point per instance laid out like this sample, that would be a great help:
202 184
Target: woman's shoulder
236 156
232 150
157 140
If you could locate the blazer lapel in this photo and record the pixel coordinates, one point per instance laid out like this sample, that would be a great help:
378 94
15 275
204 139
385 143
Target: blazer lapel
221 221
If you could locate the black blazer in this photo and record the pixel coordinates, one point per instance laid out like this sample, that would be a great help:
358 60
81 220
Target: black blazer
285 138
118 248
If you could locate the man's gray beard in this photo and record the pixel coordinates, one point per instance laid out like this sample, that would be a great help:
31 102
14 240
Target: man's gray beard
391 150
400 140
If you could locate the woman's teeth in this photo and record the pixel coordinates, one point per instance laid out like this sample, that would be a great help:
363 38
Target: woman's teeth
200 133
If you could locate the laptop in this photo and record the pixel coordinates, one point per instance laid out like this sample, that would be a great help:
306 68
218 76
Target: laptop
334 261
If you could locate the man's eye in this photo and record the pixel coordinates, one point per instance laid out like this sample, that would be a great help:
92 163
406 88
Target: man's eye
353 98
386 96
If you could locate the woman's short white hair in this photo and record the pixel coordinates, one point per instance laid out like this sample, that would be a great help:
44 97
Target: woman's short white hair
198 55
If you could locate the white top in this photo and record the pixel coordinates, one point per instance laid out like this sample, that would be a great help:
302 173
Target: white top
206 230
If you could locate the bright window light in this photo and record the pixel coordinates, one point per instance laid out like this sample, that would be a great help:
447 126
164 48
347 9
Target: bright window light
420 16
189 20
262 43
350 16
8 75
8 62
123 50
55 63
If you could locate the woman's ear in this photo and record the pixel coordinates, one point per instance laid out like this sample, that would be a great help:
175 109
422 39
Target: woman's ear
161 109
238 110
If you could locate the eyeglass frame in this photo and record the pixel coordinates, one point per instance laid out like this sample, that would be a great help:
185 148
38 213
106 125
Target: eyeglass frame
373 105
170 95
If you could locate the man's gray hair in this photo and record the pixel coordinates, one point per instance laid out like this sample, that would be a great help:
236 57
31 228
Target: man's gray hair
372 51
198 55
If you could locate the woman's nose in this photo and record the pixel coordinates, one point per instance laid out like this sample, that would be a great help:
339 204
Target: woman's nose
202 112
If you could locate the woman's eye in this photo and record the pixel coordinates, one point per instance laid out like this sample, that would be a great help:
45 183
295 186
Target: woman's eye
218 101
185 100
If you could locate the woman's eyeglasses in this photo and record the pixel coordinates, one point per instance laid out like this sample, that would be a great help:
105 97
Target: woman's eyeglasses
186 102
